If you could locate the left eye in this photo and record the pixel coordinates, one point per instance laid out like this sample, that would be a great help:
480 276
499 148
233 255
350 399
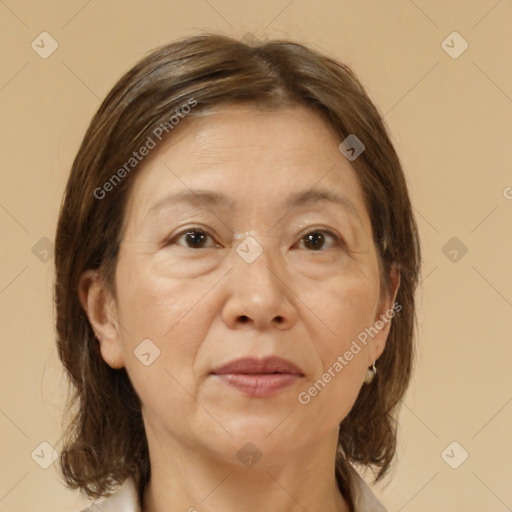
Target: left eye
316 240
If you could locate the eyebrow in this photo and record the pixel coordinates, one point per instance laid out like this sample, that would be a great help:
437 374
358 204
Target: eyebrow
321 195
206 197
213 198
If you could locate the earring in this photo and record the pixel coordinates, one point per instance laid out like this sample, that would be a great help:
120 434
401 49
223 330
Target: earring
370 374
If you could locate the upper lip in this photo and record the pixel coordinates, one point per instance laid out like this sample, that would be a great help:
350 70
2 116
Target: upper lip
253 365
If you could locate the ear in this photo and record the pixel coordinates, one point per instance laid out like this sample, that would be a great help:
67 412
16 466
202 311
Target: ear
100 308
386 311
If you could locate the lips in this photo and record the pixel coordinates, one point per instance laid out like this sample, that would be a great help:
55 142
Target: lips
252 365
259 377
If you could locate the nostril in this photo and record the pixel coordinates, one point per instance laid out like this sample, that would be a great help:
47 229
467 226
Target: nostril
244 319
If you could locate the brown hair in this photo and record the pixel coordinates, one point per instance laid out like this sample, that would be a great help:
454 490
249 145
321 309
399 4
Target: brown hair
105 440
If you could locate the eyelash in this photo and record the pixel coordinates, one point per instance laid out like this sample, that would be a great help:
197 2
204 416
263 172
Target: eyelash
197 229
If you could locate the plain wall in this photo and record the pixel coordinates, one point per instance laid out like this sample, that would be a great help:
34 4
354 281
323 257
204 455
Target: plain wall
450 119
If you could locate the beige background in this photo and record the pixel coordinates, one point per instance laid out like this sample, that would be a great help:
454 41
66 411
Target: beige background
451 121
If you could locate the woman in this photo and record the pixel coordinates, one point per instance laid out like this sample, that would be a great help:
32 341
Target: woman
236 259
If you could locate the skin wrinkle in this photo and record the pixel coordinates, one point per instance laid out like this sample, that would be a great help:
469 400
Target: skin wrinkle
198 296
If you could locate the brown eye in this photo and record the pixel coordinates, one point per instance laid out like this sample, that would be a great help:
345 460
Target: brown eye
318 240
193 239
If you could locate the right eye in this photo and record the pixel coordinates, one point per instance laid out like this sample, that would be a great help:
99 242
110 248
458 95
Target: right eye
193 238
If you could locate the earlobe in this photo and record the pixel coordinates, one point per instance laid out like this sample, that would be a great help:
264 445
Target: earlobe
394 279
99 307
385 315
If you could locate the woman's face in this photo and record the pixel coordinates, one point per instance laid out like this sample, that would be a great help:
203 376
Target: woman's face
246 236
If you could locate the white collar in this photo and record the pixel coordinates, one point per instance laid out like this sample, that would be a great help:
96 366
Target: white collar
365 500
126 499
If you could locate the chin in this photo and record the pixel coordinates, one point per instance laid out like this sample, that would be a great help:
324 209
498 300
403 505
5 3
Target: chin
269 433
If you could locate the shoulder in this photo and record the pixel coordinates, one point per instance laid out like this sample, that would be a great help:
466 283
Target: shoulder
125 499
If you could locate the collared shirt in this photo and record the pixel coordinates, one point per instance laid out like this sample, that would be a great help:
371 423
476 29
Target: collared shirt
127 500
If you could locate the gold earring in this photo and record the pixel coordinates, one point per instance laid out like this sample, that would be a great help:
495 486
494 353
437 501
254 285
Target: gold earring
370 374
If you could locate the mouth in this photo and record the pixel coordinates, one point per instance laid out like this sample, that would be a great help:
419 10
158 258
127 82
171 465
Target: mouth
259 377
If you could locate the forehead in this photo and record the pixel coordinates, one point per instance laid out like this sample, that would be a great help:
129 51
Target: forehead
248 155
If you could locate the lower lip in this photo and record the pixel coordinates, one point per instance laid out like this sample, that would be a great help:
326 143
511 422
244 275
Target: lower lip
260 385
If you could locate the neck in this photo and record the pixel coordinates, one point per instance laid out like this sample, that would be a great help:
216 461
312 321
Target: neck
186 479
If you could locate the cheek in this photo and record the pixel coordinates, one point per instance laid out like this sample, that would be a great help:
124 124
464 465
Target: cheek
171 314
168 312
345 307
154 304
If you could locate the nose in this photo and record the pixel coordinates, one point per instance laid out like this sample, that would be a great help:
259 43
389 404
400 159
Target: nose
259 294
